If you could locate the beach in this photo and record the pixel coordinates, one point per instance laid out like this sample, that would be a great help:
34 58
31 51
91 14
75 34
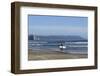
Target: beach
34 54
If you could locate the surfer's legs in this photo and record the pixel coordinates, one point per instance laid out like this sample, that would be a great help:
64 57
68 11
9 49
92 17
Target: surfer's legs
61 49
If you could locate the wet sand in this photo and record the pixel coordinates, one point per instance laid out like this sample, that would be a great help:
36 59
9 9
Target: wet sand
52 55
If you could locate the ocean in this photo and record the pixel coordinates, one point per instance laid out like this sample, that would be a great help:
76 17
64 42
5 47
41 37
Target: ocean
78 47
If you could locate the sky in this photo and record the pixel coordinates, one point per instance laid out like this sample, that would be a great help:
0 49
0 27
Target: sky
58 25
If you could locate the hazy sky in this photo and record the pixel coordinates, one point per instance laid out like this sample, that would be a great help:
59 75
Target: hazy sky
58 25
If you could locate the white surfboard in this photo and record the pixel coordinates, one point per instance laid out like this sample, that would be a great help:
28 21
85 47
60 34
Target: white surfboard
63 47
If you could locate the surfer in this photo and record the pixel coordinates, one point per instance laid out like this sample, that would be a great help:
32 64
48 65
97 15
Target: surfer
62 47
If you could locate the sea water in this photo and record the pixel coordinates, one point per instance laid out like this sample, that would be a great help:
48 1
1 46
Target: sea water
80 47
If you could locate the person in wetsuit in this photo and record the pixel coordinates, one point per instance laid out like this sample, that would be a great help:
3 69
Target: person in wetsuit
61 46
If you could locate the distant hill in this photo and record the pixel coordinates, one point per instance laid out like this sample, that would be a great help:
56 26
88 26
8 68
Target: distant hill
57 38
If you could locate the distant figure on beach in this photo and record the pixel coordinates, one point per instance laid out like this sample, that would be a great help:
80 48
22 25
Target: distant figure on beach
62 47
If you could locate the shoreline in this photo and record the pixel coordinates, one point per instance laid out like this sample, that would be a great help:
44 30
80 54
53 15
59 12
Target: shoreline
52 55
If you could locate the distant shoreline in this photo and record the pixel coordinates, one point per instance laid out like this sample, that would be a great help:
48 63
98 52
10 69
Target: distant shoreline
52 55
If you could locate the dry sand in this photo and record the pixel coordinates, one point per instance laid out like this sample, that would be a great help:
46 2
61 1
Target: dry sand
52 55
